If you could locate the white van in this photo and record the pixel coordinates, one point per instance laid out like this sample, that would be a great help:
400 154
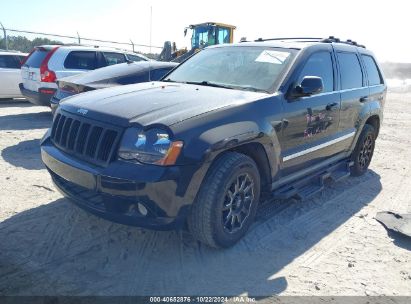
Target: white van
45 64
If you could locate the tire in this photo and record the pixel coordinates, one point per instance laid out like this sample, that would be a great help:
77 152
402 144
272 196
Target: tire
227 201
363 151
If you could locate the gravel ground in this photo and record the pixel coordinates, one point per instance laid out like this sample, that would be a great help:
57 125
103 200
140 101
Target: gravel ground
328 245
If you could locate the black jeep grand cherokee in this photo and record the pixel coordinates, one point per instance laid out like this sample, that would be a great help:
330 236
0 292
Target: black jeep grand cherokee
233 123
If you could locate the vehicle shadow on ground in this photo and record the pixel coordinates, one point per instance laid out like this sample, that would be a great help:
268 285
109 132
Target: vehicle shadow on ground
26 154
26 121
58 249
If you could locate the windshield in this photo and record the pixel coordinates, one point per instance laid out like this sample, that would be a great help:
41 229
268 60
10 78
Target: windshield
247 68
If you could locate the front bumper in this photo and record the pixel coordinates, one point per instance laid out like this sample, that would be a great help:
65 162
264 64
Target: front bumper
115 192
38 98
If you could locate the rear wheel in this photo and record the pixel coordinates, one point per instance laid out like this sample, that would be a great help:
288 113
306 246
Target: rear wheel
227 201
363 151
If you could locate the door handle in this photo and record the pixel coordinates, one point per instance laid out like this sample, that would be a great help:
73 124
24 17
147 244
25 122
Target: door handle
331 106
364 99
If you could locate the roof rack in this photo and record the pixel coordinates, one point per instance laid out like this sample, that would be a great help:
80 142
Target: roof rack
10 51
290 38
330 39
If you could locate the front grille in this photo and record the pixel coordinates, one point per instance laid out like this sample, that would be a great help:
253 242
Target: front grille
85 139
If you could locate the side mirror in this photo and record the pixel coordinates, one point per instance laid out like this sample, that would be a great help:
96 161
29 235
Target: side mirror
185 32
310 85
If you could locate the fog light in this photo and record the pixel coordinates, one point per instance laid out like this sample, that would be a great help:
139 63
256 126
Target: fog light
142 209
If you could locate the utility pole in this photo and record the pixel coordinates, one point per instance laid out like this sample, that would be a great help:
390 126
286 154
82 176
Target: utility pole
5 36
151 24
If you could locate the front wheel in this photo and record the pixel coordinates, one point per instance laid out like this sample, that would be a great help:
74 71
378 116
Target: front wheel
363 151
227 201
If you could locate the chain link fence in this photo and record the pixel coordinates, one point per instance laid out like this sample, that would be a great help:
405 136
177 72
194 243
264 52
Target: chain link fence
76 39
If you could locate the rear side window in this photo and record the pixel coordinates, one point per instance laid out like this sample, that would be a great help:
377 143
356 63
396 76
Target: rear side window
133 78
81 60
351 74
114 58
159 73
36 58
320 64
374 75
9 62
135 58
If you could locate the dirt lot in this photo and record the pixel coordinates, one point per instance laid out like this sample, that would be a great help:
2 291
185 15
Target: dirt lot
328 245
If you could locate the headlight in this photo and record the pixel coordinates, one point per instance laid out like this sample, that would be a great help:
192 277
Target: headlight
153 146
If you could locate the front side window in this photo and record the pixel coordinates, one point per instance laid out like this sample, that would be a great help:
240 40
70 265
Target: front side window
320 64
351 74
133 78
8 62
81 60
114 58
159 73
374 75
242 68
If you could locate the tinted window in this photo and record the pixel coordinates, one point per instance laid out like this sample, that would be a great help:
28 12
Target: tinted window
373 73
114 58
320 65
133 78
9 62
36 58
81 60
135 58
159 73
351 75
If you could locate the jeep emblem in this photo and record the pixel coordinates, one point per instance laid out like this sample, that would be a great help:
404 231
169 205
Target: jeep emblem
82 111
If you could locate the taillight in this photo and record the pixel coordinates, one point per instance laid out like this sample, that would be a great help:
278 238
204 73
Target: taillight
46 74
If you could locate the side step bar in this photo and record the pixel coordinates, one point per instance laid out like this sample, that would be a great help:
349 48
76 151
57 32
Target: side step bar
314 183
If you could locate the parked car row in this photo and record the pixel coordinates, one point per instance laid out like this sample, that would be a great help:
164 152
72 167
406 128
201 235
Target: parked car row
53 72
47 63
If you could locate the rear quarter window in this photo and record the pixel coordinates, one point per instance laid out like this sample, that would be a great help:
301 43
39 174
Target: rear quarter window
9 62
36 58
81 60
373 73
114 58
350 69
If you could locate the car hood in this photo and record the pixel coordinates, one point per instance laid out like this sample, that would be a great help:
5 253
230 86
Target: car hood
154 102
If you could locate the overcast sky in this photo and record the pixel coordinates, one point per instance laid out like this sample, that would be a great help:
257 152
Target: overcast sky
383 26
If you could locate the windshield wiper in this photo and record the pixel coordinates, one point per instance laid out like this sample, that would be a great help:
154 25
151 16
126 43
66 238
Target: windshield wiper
251 88
168 80
210 84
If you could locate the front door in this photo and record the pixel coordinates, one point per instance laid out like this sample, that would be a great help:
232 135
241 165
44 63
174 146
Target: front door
311 122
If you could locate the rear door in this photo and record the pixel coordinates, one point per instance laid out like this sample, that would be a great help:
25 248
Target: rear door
311 122
354 91
30 71
9 76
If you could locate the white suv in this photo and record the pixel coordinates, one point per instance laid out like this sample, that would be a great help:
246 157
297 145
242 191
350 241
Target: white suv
10 63
47 63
